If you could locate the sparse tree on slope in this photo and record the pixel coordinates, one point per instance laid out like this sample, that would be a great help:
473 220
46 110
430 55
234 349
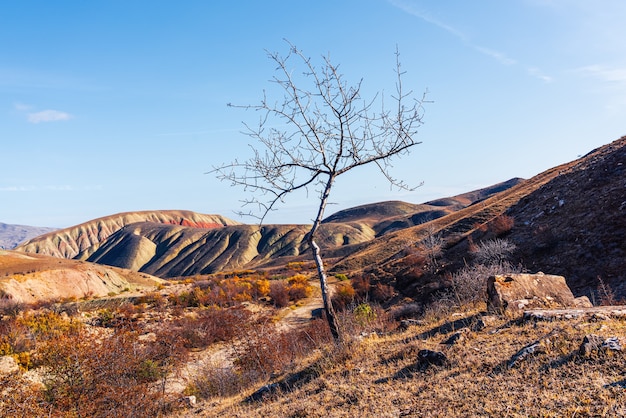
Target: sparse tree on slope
320 129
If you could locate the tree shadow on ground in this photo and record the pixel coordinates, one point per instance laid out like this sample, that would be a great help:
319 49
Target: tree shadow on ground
287 384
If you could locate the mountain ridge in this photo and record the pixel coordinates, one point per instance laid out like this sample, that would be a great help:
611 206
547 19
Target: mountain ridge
170 243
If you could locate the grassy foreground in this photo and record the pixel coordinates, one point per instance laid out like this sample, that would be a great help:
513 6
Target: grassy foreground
379 376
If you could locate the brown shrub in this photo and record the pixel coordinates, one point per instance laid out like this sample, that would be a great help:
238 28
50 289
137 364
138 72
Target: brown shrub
382 292
266 350
279 293
211 325
98 378
501 225
299 287
361 285
21 398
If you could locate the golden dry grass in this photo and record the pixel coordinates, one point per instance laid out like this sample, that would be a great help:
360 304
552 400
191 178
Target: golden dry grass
376 377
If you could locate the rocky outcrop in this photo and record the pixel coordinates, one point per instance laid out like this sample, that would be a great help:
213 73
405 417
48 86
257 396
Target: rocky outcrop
514 293
541 346
595 313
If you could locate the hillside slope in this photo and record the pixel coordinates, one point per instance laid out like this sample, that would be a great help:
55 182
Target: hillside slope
176 243
69 242
30 278
568 220
575 225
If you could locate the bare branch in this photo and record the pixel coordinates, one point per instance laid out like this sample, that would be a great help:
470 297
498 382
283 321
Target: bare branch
319 130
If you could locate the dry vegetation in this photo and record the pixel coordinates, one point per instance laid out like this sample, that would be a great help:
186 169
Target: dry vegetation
222 339
226 340
122 359
379 375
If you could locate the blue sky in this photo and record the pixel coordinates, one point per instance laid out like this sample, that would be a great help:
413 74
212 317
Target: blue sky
115 106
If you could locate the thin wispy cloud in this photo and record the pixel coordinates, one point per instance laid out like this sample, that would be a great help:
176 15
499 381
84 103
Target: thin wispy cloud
408 8
48 116
51 188
498 56
606 74
22 107
537 73
42 116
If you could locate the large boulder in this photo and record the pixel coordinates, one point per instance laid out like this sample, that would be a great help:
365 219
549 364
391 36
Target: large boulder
514 293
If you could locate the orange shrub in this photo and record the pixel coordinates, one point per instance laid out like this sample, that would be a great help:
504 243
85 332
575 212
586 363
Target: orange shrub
299 287
344 295
261 288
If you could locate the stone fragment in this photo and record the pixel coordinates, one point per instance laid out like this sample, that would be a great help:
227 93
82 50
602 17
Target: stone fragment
514 293
406 323
591 343
8 365
540 346
427 358
595 344
612 343
455 338
582 302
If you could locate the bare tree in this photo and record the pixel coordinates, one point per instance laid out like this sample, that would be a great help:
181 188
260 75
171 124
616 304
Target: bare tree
320 129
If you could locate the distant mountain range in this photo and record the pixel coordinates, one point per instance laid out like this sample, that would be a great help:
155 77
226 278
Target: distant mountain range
182 243
568 220
13 235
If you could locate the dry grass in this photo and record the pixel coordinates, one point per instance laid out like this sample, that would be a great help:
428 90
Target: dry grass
378 376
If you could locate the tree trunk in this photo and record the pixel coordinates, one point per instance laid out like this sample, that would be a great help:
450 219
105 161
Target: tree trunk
328 305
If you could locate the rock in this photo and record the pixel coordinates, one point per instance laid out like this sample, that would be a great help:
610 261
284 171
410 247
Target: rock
594 314
455 338
531 349
484 322
8 365
427 358
406 323
264 392
612 343
582 302
538 347
513 293
190 401
594 344
591 343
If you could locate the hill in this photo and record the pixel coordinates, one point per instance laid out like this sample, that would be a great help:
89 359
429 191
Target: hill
34 278
13 235
178 243
69 242
244 343
567 220
556 219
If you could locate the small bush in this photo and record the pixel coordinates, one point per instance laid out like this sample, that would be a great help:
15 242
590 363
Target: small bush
382 292
279 293
341 277
344 295
494 252
501 225
215 380
299 287
267 350
210 326
361 285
